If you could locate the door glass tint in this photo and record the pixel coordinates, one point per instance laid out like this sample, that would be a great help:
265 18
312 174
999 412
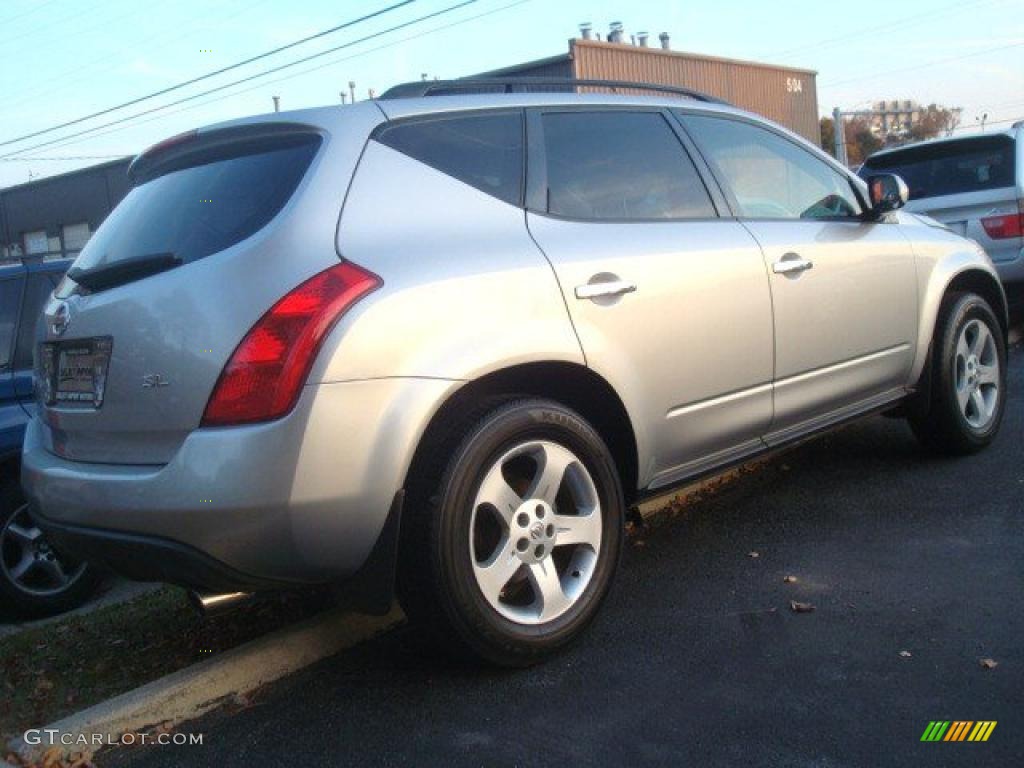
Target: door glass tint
949 168
10 295
620 165
769 177
201 209
484 151
37 291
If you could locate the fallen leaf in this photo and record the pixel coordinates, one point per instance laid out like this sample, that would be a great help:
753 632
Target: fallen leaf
789 579
906 654
639 543
53 757
800 607
753 554
989 663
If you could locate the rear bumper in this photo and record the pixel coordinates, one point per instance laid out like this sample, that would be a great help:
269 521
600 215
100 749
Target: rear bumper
301 500
1011 271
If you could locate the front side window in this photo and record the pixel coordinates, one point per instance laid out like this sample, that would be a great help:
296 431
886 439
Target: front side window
620 165
770 177
482 150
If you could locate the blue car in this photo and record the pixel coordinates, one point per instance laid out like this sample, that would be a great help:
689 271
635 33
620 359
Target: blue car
34 580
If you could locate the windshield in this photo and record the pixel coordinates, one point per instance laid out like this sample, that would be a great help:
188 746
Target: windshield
951 167
201 209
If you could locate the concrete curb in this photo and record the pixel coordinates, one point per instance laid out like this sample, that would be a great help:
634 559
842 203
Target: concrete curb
193 691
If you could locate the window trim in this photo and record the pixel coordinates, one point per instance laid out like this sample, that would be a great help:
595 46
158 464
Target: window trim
682 114
536 166
454 115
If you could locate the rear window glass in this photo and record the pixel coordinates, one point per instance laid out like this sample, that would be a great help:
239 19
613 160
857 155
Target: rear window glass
484 151
202 209
950 168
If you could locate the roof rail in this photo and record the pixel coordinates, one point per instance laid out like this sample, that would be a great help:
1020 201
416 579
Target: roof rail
466 85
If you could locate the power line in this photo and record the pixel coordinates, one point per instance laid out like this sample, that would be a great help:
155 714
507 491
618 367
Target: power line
33 9
89 67
916 19
59 159
921 66
431 31
220 71
270 71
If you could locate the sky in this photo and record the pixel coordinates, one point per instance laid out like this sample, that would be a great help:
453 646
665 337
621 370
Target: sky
61 60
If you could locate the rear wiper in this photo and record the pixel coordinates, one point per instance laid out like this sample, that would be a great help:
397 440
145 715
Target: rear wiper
123 271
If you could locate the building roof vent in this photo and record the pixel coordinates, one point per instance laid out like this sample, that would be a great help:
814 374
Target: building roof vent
615 32
641 39
586 30
665 41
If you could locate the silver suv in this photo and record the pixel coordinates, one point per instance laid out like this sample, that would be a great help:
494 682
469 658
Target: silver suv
972 184
439 344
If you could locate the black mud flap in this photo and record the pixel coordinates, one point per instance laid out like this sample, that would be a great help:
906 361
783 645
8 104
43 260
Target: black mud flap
372 589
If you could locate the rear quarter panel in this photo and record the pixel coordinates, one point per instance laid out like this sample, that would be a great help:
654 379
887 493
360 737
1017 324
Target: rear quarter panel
465 289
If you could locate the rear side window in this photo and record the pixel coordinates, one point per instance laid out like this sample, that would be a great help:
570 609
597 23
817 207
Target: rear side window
201 209
10 296
949 168
620 165
483 150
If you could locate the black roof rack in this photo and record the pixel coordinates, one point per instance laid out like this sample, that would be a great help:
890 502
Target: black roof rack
468 85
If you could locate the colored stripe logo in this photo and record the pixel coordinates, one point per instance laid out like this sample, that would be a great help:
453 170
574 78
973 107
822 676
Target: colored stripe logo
958 730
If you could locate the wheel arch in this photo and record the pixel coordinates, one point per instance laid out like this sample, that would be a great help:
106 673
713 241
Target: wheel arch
964 273
571 384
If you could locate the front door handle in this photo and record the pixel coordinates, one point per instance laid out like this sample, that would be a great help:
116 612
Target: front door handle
609 288
791 264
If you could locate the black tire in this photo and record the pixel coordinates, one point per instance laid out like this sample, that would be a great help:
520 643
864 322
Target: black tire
18 600
437 584
942 425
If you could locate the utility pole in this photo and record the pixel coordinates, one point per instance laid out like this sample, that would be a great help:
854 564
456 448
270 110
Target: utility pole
839 132
277 103
344 96
352 90
983 119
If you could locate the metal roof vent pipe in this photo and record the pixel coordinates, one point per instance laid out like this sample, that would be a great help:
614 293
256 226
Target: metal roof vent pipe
665 41
641 39
615 32
586 30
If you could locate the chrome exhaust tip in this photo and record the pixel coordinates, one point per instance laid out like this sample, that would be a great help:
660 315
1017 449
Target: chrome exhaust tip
217 604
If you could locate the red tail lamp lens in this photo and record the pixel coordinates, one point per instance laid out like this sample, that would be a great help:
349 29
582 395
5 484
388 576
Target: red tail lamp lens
266 372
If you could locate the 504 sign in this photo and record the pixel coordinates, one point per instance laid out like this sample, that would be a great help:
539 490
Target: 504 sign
794 85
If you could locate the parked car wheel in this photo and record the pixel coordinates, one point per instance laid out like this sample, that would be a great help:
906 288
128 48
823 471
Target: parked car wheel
511 548
34 580
968 392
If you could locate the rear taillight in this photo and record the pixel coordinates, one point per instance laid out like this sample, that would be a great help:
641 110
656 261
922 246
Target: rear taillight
1005 226
266 372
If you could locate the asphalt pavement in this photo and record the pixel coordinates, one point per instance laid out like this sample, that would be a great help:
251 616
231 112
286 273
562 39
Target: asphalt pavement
914 566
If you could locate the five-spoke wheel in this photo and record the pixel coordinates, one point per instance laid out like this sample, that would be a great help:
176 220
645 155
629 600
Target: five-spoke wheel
510 544
535 532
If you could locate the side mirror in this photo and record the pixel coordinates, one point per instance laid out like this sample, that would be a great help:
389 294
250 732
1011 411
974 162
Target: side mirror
888 192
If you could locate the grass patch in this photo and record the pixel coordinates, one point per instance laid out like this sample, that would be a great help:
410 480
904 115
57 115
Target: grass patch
59 668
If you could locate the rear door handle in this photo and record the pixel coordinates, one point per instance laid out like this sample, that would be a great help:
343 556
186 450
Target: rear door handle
791 264
609 288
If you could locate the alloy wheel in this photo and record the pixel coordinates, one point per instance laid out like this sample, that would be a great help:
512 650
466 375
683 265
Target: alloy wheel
28 561
976 374
535 532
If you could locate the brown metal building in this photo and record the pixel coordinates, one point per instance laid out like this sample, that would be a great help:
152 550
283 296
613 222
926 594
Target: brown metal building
787 95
